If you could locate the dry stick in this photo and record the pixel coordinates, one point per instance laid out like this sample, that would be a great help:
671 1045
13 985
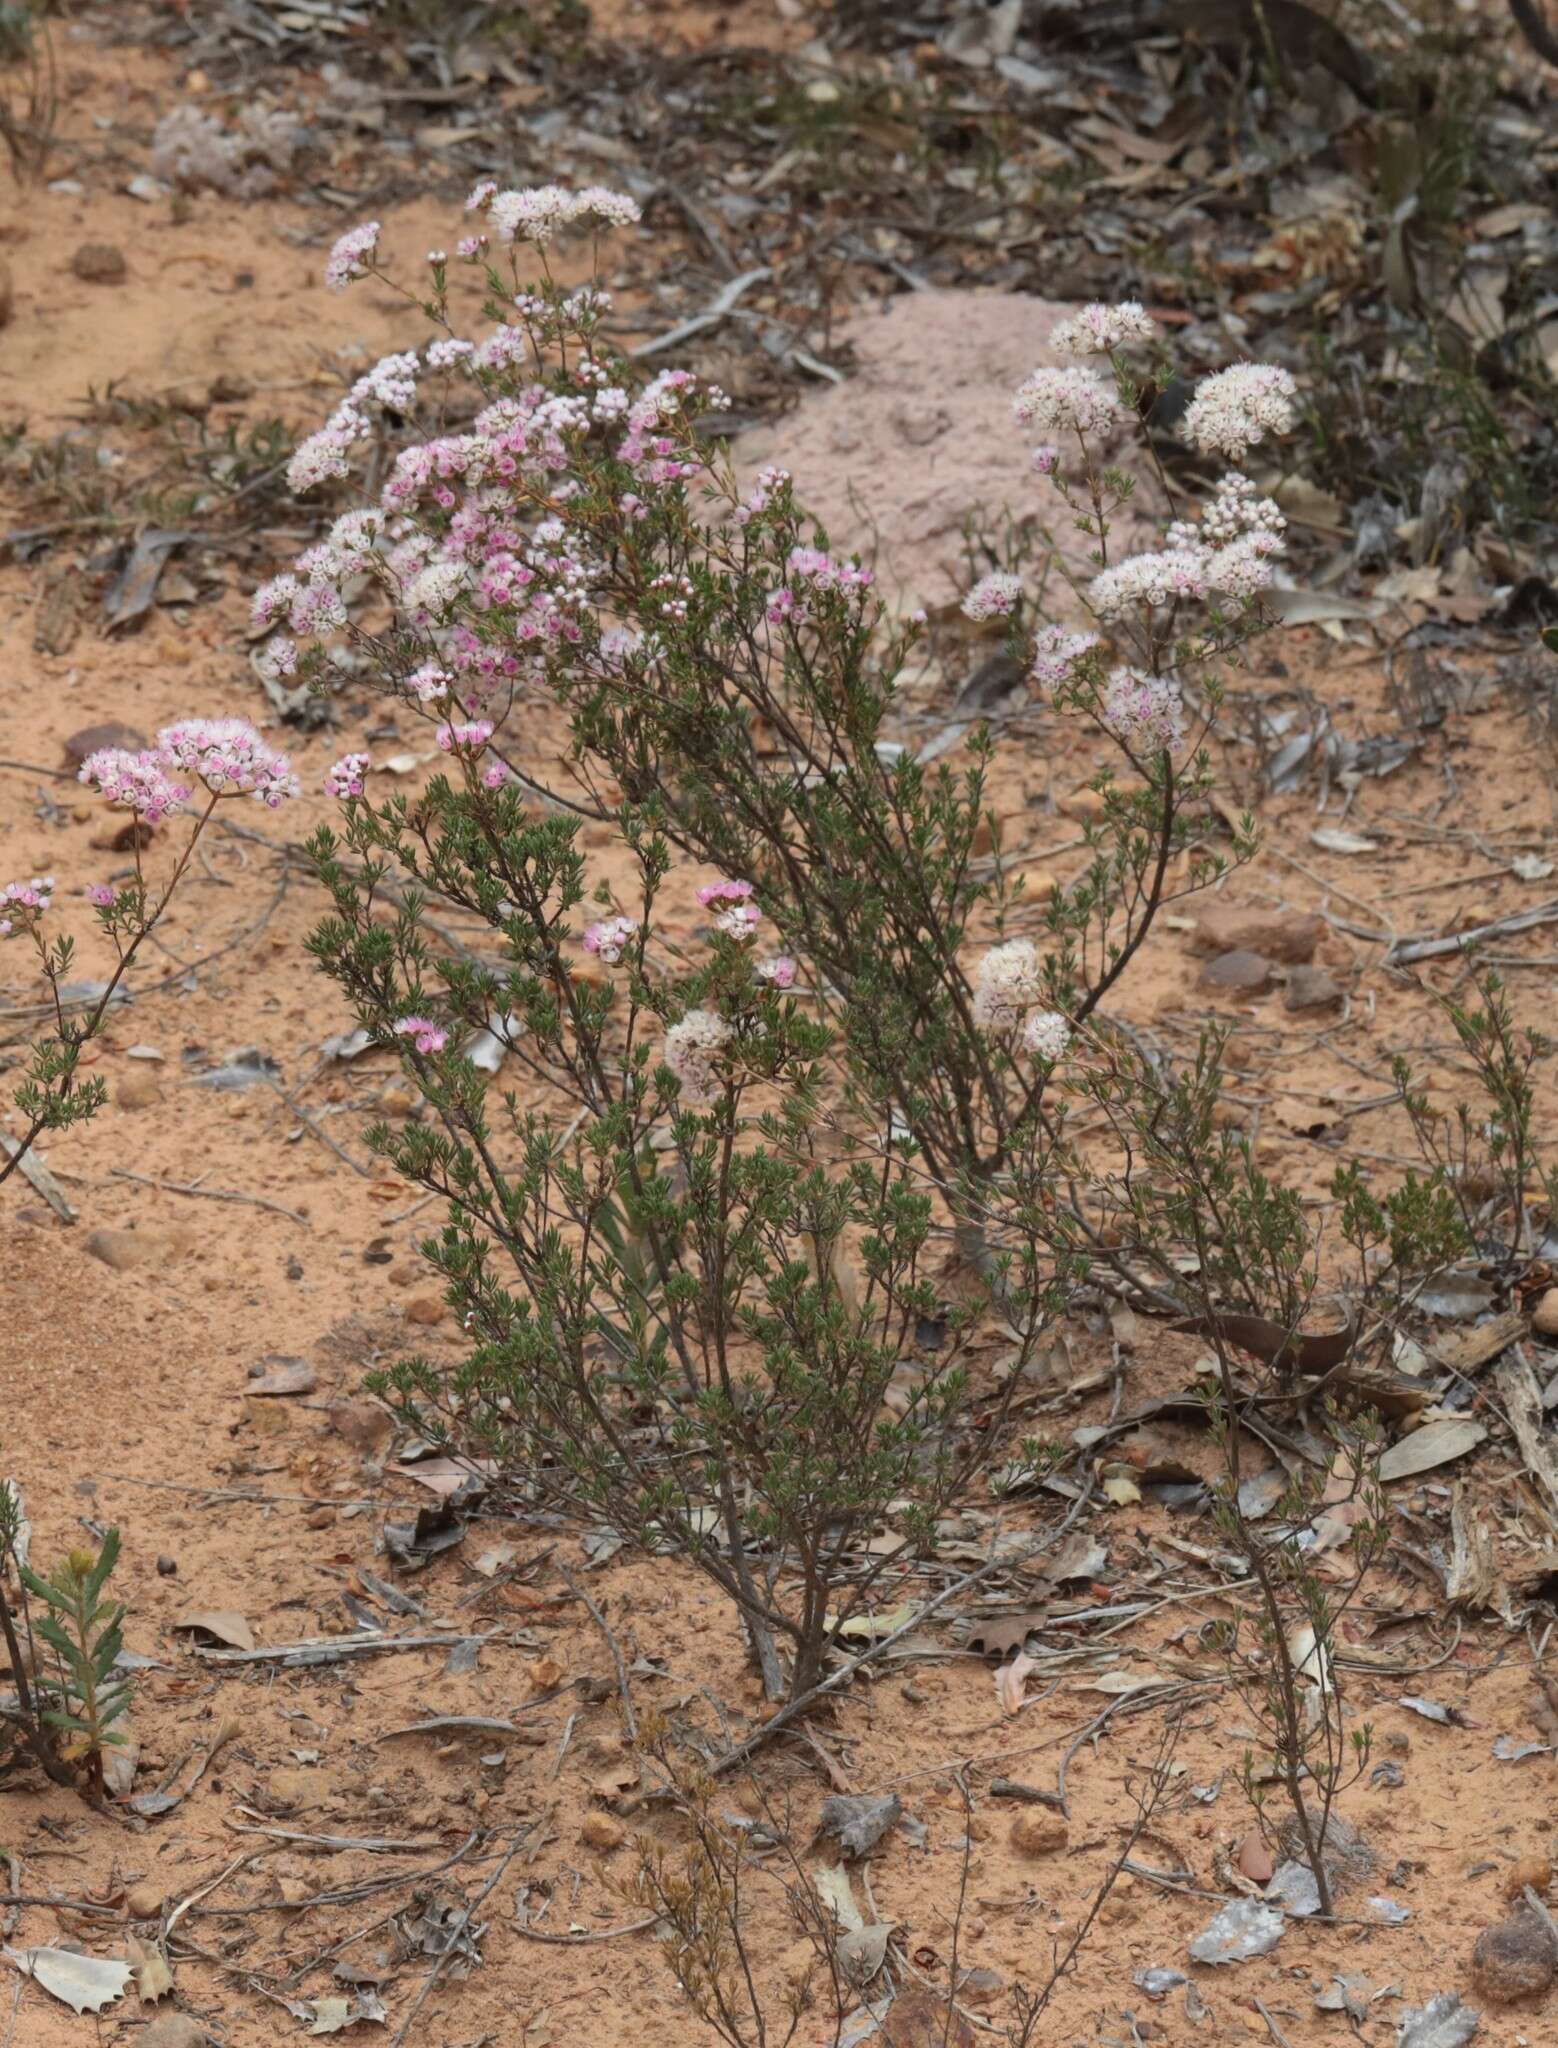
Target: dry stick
577 1940
1404 951
440 1962
238 1863
174 1187
1277 2034
786 1714
1147 1696
346 1895
324 1137
630 1719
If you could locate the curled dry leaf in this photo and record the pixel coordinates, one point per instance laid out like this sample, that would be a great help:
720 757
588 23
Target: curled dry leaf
153 1978
1011 1682
221 1625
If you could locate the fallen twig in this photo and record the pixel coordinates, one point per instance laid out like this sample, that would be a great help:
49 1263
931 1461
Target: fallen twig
308 1655
44 1183
1404 951
576 1940
776 1723
346 1895
629 1718
175 1187
441 1962
711 316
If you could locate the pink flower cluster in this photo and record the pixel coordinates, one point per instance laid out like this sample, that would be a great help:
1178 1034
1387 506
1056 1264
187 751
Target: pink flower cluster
472 734
137 782
1056 654
1161 576
100 895
815 569
225 754
1046 1035
768 481
424 1034
230 758
1143 712
740 917
351 255
995 596
348 776
23 903
1007 983
609 938
693 1049
779 969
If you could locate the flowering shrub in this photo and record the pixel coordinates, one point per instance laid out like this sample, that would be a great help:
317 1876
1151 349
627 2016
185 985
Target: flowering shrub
730 675
693 1305
222 758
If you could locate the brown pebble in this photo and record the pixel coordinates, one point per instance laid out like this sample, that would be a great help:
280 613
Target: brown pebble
426 1309
600 1832
1236 974
1514 1959
125 1250
143 1901
362 1424
175 2030
1535 1871
137 1089
167 1566
1287 935
1544 1317
100 263
1037 1833
92 738
1311 988
321 1518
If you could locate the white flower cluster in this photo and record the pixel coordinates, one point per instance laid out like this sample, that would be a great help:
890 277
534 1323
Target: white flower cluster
1007 983
1162 576
1237 407
1074 400
538 213
692 1052
1046 1035
1101 330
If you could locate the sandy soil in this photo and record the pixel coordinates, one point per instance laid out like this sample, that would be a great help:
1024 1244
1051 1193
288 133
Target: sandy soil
125 1396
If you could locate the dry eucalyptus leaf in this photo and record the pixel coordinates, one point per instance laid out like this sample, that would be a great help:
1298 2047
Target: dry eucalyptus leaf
222 1625
1436 1443
1442 2023
858 1824
832 1886
862 1952
153 1978
84 1983
1244 1929
334 2015
999 1634
1334 840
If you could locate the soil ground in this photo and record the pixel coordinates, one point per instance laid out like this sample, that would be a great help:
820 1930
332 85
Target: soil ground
263 1228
